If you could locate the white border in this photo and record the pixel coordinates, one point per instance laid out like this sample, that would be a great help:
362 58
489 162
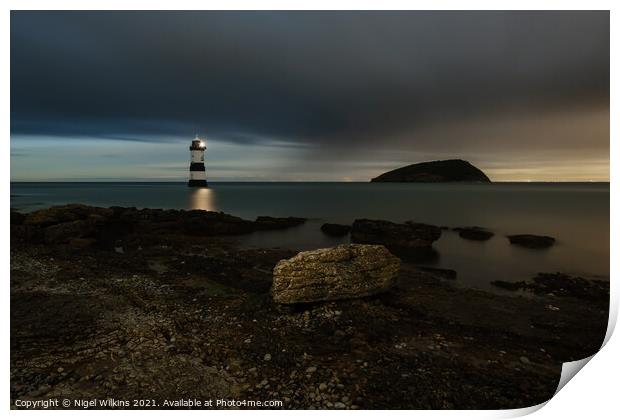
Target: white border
592 394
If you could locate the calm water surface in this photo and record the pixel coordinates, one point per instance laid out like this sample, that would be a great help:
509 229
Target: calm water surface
576 214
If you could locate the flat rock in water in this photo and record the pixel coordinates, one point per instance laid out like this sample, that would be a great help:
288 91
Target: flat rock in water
400 238
342 272
474 233
441 272
532 241
273 223
334 229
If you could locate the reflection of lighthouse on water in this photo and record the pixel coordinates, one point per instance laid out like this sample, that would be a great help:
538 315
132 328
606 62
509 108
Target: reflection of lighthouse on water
202 199
197 175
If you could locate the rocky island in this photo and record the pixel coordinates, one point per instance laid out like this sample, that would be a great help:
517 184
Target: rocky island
130 303
453 170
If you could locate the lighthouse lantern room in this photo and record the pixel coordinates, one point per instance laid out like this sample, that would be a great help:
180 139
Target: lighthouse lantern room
197 175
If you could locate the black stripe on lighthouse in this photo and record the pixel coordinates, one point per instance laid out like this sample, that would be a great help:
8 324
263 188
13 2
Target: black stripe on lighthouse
197 166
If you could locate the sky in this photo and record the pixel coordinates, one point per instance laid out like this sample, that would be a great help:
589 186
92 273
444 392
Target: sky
308 96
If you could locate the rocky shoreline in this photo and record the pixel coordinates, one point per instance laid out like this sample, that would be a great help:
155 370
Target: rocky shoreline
163 304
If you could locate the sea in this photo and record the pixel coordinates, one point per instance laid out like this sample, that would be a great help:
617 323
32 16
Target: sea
576 214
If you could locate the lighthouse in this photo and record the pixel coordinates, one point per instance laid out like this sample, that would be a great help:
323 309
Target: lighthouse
197 176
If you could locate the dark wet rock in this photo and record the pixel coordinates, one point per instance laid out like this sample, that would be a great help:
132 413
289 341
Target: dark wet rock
454 170
441 272
118 328
273 223
198 222
193 222
63 223
117 221
402 239
559 284
26 234
342 272
82 243
17 218
334 229
89 322
118 210
67 213
474 233
159 220
531 241
508 285
65 232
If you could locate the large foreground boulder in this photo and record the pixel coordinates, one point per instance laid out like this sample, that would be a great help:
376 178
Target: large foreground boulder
406 239
342 272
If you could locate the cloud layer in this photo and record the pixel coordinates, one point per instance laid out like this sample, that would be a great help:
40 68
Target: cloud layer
324 81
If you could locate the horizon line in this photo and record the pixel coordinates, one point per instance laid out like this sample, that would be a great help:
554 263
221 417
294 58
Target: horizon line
322 182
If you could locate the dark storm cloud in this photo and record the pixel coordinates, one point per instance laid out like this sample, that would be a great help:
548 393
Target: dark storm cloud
297 77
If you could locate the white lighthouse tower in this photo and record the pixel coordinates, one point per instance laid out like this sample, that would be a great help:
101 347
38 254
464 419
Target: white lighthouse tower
197 175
